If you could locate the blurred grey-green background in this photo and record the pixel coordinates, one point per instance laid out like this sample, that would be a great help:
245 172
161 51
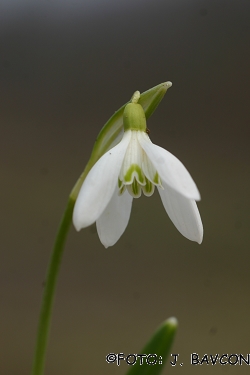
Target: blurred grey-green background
65 67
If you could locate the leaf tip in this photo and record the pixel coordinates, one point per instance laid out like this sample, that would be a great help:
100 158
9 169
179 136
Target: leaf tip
172 322
167 84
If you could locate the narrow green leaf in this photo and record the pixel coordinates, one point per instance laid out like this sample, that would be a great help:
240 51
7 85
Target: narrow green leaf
149 100
160 345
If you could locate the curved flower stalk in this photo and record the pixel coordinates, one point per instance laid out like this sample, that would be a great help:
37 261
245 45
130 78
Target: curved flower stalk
133 166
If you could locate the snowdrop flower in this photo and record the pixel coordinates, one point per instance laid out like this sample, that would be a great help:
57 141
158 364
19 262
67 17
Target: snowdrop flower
133 166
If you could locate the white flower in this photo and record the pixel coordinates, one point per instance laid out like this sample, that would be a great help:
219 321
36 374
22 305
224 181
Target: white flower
132 166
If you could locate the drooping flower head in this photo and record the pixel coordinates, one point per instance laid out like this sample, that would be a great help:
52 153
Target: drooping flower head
133 166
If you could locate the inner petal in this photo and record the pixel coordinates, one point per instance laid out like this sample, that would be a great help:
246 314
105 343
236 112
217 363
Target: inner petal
137 173
132 163
134 172
150 171
134 189
148 189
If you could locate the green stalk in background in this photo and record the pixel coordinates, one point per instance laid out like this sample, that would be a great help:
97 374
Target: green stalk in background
159 347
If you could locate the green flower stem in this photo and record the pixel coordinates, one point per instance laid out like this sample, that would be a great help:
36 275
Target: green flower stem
49 290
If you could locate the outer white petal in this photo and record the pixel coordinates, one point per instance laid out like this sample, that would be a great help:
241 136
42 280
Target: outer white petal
114 220
169 168
99 185
183 212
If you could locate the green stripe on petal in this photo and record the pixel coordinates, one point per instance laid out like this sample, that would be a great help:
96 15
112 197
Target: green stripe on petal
157 180
134 172
134 189
148 189
122 189
120 183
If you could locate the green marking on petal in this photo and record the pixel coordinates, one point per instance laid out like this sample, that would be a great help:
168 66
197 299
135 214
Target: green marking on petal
157 179
134 171
120 183
148 189
148 186
122 189
134 189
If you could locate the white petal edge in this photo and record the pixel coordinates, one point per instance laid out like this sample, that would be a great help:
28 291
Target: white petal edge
114 220
99 185
183 212
170 169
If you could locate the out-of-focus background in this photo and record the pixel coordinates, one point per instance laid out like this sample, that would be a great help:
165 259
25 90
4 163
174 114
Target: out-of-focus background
65 67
